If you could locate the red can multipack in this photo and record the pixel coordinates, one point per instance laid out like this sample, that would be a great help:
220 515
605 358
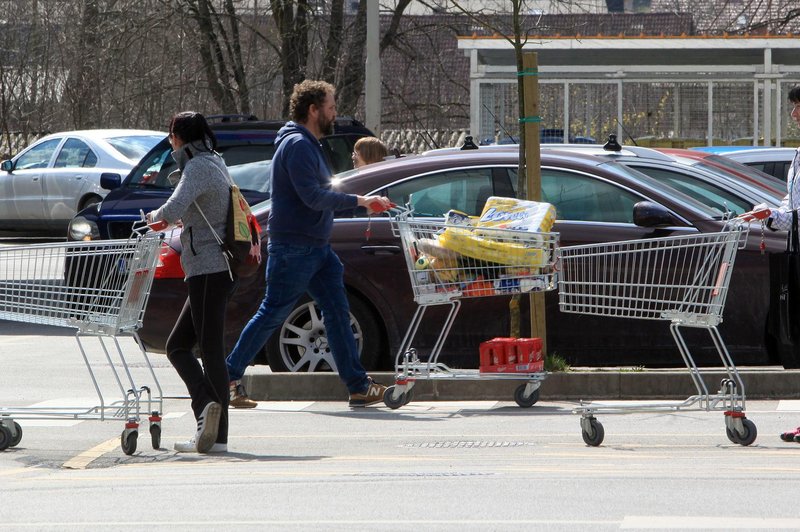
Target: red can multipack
511 355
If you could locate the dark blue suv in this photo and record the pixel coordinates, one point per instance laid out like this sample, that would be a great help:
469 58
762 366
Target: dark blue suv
246 144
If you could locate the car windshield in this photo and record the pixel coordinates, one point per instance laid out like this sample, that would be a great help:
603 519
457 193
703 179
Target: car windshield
247 165
252 176
134 147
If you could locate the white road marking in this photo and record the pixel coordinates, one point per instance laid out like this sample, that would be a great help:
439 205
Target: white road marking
311 523
278 406
722 522
789 405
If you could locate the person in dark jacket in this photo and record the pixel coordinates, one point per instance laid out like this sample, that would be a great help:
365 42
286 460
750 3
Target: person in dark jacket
300 256
200 202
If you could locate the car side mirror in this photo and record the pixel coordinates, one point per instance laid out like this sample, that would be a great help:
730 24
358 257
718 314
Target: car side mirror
649 214
110 180
7 166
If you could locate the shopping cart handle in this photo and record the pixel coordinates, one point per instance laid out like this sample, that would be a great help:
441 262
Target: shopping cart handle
377 206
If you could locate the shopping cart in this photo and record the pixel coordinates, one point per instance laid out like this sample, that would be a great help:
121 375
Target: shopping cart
100 288
489 262
683 280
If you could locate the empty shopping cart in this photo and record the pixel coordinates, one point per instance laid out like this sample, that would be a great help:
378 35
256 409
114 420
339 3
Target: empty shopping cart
682 280
99 288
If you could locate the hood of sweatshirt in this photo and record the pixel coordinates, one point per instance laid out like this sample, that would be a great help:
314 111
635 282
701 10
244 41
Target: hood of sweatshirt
292 128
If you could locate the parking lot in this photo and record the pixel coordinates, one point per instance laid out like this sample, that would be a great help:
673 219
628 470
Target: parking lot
443 465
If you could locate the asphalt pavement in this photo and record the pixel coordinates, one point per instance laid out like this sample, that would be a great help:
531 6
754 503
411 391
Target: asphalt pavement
443 465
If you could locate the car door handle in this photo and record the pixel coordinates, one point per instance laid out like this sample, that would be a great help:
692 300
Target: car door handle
381 250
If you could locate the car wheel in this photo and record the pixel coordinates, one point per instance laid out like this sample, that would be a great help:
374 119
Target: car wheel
88 201
301 345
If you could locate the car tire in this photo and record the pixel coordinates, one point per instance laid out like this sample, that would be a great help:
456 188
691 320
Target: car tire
303 330
88 201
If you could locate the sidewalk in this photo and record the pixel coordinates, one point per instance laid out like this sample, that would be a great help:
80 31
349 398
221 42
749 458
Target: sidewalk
763 382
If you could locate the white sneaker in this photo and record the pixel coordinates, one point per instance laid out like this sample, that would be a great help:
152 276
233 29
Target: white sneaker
219 448
191 447
186 446
207 427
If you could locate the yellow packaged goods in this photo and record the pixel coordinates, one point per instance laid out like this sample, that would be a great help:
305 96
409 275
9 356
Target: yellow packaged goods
484 247
488 240
517 215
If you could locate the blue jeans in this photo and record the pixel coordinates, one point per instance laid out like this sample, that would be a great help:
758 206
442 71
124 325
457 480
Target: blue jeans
293 270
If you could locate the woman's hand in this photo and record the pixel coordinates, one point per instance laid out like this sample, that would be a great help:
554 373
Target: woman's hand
759 212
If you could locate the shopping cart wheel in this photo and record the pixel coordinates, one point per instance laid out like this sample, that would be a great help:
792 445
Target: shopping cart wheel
749 435
523 400
393 402
5 438
15 439
155 435
128 441
595 433
408 396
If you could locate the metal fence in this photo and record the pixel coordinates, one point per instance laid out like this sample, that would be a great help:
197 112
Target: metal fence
654 112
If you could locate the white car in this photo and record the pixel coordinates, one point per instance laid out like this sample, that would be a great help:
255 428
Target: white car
773 161
47 183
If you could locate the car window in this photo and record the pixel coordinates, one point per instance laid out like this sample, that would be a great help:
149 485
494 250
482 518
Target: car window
38 156
243 154
581 197
339 149
134 147
710 194
435 194
584 198
250 174
75 154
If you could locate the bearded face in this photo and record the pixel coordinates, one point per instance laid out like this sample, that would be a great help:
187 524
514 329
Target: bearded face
325 124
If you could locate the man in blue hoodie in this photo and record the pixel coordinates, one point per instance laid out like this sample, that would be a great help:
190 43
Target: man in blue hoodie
300 256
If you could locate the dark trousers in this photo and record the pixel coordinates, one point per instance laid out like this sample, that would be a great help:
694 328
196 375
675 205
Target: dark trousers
202 323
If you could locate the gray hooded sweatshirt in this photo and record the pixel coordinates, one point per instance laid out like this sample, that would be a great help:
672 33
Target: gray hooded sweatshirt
205 182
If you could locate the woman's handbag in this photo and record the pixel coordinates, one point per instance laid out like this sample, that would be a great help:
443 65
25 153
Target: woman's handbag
784 293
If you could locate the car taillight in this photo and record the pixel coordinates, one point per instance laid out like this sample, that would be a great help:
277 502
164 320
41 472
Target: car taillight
169 264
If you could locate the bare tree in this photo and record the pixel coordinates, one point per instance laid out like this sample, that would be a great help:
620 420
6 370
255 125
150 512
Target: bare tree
291 18
221 54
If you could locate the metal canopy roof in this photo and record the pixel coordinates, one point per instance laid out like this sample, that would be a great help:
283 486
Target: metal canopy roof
690 55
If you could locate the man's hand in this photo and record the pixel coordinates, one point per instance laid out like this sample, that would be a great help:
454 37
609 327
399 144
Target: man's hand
375 204
759 212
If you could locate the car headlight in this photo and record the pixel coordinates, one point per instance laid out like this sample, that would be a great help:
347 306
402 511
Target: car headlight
82 229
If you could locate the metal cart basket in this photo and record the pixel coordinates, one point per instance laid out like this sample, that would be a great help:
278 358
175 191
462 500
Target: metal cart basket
100 288
683 280
449 262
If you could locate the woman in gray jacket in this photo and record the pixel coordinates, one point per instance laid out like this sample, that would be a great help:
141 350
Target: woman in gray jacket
200 202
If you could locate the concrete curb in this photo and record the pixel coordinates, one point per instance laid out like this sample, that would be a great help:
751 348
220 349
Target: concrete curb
760 383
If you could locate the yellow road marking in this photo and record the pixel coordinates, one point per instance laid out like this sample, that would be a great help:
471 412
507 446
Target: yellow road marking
87 457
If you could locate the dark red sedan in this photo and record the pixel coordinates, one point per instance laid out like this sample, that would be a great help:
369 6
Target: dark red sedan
597 200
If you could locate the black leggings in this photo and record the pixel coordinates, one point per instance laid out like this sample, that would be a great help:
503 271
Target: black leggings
202 322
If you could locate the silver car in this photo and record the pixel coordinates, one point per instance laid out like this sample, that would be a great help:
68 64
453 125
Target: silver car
47 183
